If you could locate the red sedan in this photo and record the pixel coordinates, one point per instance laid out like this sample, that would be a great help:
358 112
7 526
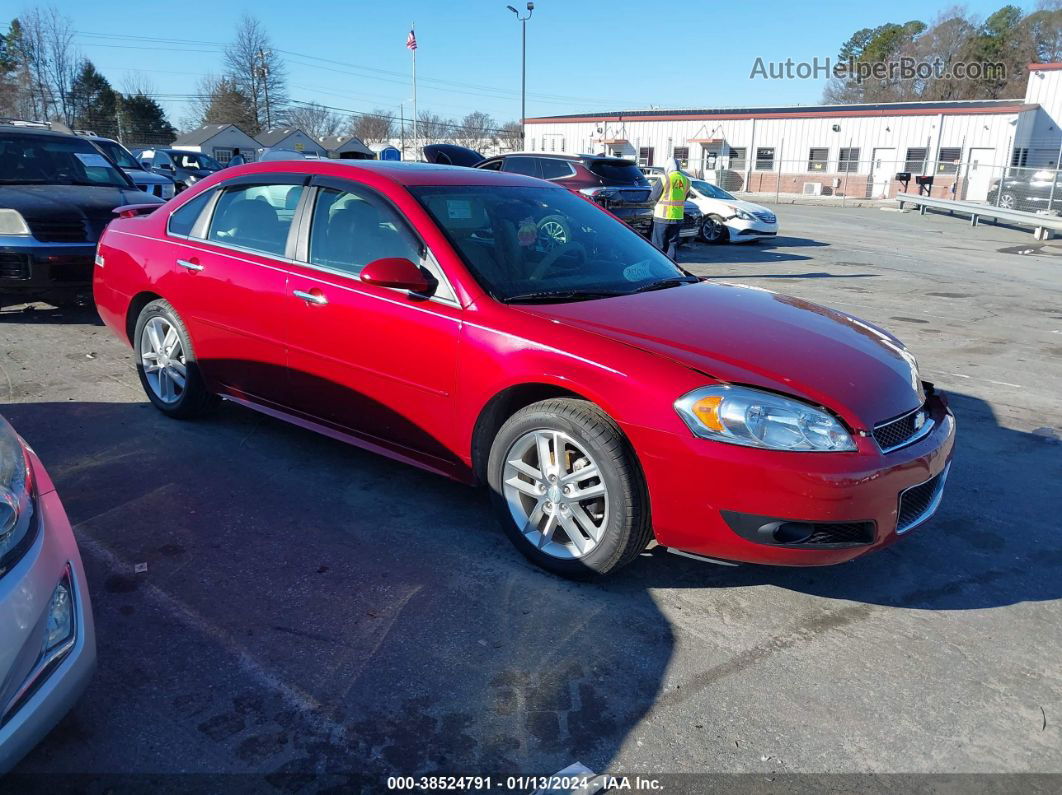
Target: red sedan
605 395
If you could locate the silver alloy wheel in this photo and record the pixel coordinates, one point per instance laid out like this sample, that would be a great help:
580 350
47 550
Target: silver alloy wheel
551 482
162 357
711 230
1007 201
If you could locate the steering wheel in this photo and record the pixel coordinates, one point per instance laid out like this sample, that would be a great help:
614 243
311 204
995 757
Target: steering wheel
554 254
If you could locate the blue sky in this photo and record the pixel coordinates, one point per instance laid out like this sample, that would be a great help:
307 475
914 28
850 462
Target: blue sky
582 55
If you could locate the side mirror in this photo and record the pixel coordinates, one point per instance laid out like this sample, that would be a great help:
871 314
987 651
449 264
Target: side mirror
395 272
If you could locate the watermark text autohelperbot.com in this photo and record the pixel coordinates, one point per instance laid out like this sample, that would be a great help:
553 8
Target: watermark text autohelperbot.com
899 69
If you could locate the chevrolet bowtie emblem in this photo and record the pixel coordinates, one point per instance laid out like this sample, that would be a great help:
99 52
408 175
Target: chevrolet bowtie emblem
919 420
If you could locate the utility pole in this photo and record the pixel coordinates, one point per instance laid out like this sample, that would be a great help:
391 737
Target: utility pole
264 74
523 71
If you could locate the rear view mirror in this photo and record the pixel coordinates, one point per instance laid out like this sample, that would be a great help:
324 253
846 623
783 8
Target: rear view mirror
395 272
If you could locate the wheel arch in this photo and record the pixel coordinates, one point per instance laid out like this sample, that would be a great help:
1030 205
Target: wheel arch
136 306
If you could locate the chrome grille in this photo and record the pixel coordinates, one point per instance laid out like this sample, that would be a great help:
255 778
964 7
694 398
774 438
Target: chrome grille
766 217
904 430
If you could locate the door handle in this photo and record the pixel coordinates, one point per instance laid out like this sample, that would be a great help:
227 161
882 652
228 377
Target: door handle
311 298
189 265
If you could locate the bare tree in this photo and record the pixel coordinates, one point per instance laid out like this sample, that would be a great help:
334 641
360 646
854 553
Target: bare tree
476 130
258 71
373 128
433 128
314 119
138 84
511 135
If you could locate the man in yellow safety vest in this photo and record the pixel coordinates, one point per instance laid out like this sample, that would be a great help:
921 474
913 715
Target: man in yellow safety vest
669 197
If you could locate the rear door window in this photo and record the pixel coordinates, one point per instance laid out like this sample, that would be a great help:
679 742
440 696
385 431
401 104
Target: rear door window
555 169
522 165
255 217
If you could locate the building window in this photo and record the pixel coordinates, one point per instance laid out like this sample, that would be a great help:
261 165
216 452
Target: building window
1019 157
948 160
645 156
916 160
223 156
682 155
765 159
848 160
737 158
817 158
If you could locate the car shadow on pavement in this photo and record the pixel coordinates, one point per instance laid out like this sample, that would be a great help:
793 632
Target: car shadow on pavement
309 607
46 313
756 252
312 609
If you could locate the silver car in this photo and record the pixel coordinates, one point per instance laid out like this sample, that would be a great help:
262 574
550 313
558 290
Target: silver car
47 638
148 181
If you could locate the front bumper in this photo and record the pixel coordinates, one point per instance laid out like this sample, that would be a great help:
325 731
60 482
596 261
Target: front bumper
697 487
35 696
28 267
750 230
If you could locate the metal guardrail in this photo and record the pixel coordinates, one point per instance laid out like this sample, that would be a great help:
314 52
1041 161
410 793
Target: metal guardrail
1041 222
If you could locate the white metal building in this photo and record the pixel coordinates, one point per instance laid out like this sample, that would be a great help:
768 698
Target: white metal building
291 138
854 150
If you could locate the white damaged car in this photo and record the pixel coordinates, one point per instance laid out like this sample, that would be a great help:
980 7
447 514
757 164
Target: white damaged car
727 218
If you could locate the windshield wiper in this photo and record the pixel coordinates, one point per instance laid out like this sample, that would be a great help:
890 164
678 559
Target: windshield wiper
547 296
677 281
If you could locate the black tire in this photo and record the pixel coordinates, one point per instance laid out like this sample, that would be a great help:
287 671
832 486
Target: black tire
713 230
628 529
194 400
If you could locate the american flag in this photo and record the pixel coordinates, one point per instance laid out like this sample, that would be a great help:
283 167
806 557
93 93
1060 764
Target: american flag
411 41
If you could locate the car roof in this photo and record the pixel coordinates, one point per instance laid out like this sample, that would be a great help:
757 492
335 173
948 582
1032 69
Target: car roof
28 130
401 173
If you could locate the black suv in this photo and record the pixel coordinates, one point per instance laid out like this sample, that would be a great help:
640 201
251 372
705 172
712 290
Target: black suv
57 193
616 184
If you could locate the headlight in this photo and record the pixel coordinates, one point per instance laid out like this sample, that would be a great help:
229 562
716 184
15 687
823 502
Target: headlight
744 216
12 223
749 417
17 506
168 190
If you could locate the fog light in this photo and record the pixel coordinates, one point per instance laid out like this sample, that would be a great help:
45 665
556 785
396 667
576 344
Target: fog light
60 626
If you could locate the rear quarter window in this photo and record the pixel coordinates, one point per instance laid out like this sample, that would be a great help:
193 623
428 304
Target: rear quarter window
183 219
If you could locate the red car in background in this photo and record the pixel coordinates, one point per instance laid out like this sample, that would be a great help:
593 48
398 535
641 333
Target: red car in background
605 395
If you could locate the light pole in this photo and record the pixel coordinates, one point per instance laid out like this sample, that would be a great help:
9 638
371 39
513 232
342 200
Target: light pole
523 71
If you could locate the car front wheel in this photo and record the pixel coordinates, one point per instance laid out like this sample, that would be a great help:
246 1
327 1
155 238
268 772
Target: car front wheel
714 230
166 363
1008 201
568 490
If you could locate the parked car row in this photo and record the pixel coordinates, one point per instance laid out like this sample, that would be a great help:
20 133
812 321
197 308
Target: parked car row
1028 189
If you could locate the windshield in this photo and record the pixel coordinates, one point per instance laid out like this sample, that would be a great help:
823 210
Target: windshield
54 160
116 152
194 160
711 191
531 244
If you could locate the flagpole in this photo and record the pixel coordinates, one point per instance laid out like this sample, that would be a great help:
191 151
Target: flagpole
416 153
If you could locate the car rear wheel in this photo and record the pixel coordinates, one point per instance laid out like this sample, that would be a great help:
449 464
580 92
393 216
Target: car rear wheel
714 230
1008 201
568 490
166 363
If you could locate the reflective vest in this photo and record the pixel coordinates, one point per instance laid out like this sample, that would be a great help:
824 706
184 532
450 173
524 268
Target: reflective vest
672 203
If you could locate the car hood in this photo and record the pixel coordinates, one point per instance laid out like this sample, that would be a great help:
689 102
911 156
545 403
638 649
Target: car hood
716 205
141 177
752 336
45 202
